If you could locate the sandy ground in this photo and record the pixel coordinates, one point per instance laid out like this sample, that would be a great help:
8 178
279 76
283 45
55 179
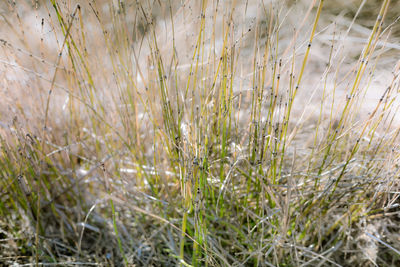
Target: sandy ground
29 49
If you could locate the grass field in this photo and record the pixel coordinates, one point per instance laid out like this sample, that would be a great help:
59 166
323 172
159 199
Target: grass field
199 133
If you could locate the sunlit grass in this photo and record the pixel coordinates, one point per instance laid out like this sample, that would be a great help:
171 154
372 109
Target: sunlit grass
201 134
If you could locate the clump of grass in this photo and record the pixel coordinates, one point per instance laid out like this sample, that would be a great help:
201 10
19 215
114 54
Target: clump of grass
201 134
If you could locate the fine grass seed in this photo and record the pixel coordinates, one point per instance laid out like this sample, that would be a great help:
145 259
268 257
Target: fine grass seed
199 133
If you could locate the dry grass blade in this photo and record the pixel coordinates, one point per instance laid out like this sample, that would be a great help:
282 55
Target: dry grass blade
199 133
